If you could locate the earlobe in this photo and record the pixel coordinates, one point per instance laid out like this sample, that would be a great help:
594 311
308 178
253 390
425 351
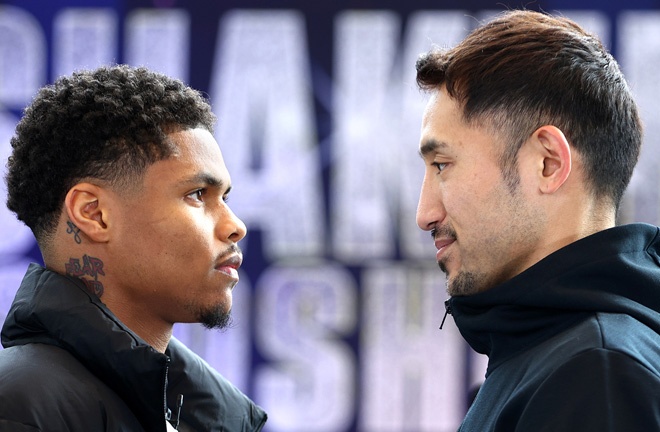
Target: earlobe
85 210
557 159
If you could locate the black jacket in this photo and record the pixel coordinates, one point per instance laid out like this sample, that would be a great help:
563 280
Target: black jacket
70 365
573 341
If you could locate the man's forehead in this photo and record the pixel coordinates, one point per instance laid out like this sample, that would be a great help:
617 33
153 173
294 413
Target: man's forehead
434 124
196 157
430 108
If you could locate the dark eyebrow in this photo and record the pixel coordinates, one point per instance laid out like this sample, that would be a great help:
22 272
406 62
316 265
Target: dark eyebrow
430 146
207 179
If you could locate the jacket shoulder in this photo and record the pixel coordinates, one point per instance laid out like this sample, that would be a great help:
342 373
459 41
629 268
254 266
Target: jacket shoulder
568 381
625 334
12 426
594 382
44 387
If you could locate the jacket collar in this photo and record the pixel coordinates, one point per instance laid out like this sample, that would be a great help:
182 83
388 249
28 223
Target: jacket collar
58 310
616 270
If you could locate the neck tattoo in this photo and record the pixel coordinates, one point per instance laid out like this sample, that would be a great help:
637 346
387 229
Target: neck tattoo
73 229
91 266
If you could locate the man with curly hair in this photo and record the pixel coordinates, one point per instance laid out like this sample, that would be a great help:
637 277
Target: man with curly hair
117 174
529 139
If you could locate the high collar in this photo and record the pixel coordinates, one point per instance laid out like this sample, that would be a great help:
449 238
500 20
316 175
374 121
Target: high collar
58 310
616 270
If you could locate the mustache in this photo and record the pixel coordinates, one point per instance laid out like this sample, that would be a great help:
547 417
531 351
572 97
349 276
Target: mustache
231 250
443 231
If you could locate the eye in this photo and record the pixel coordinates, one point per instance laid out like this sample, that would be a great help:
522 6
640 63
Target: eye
439 165
197 195
225 196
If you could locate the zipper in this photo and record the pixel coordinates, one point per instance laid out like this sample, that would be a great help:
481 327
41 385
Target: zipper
179 404
168 413
174 421
447 312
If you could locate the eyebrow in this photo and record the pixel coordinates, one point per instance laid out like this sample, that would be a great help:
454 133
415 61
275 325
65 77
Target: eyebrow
430 146
207 179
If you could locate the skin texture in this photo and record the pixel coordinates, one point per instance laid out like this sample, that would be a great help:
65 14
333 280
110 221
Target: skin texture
485 232
167 248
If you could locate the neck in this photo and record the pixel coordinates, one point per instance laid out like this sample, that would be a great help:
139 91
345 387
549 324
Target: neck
74 254
158 341
155 332
579 221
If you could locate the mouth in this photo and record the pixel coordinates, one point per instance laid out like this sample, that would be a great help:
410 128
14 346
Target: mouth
443 237
442 245
230 265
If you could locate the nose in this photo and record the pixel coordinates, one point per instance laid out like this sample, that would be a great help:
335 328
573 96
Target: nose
230 227
430 209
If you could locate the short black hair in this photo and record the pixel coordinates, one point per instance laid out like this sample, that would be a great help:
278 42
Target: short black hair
108 124
526 69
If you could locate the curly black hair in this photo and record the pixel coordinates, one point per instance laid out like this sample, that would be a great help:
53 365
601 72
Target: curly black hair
108 124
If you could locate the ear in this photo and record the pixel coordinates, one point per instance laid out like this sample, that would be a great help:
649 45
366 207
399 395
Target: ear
555 152
86 207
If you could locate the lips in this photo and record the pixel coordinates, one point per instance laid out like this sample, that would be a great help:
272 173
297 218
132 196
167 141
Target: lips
230 265
442 244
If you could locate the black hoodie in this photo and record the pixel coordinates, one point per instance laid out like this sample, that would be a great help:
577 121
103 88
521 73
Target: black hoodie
574 341
71 365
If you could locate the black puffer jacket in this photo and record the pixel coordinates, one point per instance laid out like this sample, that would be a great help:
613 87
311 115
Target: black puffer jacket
70 365
573 341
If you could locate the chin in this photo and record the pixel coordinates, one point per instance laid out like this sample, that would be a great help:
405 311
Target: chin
464 284
216 318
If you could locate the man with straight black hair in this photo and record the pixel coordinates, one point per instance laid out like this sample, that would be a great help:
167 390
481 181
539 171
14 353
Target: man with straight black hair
529 139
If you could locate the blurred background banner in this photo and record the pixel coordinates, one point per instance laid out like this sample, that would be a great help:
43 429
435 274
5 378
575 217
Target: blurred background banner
338 308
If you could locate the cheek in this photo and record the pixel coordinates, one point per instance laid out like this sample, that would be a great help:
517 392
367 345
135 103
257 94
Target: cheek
473 202
178 235
163 240
462 199
186 238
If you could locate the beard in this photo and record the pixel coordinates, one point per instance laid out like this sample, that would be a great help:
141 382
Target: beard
215 318
509 246
464 284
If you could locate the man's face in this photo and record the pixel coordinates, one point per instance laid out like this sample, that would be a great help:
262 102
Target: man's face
174 248
485 233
